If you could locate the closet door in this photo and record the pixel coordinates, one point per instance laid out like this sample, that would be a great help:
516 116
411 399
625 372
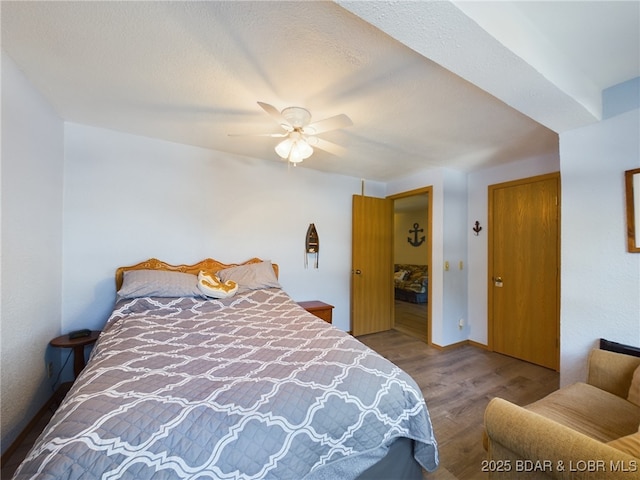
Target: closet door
371 265
524 269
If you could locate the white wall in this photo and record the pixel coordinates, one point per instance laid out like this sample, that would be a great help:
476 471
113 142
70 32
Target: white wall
455 251
31 241
600 279
128 198
621 98
478 209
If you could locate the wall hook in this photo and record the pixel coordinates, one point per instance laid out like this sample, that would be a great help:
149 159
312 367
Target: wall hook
477 228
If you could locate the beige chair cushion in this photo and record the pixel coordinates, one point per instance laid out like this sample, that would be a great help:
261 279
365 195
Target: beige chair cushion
598 414
634 389
629 444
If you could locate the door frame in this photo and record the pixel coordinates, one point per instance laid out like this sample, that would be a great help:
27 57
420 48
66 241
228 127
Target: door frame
421 191
490 241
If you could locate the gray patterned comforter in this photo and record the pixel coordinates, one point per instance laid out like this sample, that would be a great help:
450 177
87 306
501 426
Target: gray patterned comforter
248 387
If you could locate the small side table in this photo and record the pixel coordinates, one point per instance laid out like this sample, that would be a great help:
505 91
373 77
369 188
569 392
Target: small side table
78 344
319 309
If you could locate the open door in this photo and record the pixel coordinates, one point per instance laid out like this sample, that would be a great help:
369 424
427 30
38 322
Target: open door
371 265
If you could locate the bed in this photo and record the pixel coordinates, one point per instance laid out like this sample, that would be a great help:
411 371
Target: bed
411 282
242 385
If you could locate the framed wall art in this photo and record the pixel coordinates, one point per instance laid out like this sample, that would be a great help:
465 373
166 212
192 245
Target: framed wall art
632 189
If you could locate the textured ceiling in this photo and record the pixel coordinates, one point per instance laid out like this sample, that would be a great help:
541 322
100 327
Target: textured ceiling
192 72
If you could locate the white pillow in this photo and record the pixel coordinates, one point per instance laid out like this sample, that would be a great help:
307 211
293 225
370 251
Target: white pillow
211 286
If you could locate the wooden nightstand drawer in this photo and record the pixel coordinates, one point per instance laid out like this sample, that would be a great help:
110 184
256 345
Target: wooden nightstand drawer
319 309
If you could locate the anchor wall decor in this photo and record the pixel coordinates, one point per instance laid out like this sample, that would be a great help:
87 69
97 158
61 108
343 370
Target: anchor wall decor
415 241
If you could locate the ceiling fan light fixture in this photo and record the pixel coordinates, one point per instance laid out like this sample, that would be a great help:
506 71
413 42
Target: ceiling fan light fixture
294 150
300 139
295 157
283 149
299 151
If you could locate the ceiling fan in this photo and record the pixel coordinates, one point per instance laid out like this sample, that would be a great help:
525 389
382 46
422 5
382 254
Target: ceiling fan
300 135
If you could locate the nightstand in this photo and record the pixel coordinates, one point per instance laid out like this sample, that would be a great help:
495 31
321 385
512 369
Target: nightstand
78 344
319 309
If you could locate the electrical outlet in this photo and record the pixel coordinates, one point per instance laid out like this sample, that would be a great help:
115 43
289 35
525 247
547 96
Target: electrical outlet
461 323
50 369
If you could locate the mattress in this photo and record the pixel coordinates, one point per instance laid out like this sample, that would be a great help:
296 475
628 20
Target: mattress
247 387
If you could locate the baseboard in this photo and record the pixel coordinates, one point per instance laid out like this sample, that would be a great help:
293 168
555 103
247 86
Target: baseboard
478 345
460 344
23 434
53 402
450 347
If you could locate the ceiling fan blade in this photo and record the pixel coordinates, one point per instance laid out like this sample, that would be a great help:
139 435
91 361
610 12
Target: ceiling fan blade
331 123
276 115
327 146
273 135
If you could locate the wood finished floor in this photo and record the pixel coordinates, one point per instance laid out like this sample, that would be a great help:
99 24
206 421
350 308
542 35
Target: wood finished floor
411 318
457 385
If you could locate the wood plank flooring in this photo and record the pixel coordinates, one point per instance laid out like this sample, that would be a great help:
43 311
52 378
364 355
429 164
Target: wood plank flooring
411 318
457 385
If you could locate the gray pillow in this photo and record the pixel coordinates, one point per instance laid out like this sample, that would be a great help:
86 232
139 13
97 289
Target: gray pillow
251 277
158 283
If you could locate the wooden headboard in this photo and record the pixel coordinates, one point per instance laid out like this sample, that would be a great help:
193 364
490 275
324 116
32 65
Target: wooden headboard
207 264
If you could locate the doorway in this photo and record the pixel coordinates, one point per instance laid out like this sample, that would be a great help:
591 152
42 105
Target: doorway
411 259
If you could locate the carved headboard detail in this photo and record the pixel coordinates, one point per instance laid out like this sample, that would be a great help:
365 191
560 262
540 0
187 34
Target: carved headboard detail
208 264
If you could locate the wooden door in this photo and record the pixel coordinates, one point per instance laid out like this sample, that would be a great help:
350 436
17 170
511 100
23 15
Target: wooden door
524 283
371 265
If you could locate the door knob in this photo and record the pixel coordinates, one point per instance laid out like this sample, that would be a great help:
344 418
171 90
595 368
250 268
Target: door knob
497 281
357 272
